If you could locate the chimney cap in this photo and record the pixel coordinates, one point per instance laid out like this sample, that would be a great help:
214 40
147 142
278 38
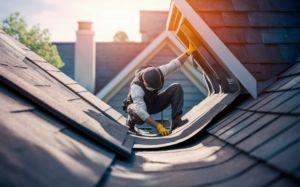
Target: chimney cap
85 25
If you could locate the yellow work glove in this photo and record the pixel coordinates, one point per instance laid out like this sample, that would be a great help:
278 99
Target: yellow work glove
191 49
161 129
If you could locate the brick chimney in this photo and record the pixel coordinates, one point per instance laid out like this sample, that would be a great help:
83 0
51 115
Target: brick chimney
85 66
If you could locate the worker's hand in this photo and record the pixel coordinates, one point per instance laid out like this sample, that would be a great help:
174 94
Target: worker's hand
191 49
161 129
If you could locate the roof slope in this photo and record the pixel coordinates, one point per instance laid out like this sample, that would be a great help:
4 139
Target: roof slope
47 118
43 150
207 162
256 145
263 35
268 128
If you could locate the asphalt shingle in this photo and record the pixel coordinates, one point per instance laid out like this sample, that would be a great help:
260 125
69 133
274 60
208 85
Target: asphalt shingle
268 5
268 132
245 5
252 23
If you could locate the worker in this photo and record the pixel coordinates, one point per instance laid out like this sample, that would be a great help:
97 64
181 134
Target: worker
144 100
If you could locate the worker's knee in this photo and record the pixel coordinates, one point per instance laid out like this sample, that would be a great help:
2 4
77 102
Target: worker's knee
133 115
177 86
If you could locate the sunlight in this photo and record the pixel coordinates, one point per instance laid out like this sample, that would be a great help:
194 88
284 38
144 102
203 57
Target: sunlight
108 17
196 154
117 13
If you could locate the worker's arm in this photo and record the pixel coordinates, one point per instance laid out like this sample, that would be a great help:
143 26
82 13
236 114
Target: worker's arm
161 129
151 122
137 94
175 64
182 58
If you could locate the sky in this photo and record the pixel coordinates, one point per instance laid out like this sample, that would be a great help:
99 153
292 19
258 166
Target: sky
61 16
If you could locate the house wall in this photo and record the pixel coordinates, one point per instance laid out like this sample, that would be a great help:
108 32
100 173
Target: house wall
112 57
67 54
192 95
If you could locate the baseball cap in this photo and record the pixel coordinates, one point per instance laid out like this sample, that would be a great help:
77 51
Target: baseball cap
152 77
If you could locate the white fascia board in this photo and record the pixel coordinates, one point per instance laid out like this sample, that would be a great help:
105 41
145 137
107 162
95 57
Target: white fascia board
172 37
132 65
217 48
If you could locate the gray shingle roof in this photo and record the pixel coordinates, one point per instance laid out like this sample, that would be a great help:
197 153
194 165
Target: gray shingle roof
247 147
49 131
38 149
263 35
46 120
267 128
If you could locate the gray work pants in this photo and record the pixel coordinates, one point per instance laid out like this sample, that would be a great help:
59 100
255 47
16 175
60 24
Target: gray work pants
173 96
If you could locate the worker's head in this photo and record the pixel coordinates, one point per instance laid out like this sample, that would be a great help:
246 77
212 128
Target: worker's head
151 78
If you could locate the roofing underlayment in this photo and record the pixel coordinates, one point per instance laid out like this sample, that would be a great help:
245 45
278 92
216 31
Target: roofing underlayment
55 133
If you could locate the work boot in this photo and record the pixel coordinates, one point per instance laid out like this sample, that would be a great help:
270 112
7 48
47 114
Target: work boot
177 122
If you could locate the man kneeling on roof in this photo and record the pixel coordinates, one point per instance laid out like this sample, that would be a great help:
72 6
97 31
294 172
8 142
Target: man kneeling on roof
144 100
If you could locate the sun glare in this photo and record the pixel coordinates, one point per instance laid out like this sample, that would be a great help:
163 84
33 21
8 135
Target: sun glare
108 17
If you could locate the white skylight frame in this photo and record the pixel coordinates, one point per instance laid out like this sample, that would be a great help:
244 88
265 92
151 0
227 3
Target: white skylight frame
216 47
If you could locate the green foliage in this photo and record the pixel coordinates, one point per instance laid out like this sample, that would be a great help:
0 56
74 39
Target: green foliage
35 39
121 36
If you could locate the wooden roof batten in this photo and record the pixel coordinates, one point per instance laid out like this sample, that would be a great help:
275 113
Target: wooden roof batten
211 51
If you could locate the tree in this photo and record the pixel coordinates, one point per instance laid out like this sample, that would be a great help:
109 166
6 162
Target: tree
35 39
121 36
